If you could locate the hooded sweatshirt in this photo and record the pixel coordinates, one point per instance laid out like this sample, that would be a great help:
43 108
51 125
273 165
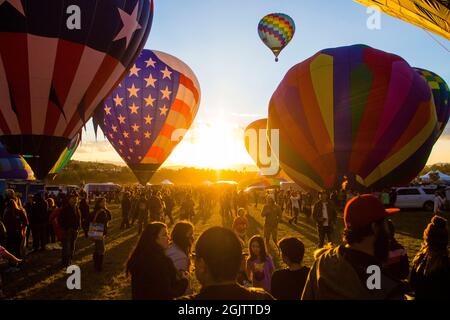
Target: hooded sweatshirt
341 274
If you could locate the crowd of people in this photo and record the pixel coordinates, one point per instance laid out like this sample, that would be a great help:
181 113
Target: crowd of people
227 270
226 260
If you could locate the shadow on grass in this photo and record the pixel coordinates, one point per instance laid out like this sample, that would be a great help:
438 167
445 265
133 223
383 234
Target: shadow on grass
48 281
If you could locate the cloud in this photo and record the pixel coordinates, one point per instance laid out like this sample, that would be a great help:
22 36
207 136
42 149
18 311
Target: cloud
100 151
94 146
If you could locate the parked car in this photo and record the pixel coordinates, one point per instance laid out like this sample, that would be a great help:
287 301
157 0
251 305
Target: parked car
416 197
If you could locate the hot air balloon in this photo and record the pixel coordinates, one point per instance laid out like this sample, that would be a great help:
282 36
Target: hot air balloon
147 115
58 60
13 166
276 30
430 15
353 113
65 156
259 149
441 96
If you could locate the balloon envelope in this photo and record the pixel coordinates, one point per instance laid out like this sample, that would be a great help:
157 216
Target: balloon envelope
258 147
441 97
276 30
13 166
430 15
354 112
58 60
65 156
147 115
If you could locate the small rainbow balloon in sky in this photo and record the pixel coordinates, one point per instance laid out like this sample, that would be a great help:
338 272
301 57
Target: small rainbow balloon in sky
276 30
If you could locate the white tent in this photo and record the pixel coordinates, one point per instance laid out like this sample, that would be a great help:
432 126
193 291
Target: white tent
442 177
167 182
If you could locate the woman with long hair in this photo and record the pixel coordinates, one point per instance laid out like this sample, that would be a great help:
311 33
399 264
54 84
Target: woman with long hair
260 265
430 274
153 274
102 216
179 251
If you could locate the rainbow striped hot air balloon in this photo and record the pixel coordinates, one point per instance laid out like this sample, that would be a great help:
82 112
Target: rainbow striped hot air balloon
354 112
276 30
441 96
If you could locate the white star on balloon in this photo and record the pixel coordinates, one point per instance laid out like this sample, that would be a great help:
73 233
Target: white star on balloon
166 93
121 119
135 128
134 71
148 119
150 81
163 110
17 4
149 100
150 62
166 73
133 91
118 100
134 108
130 25
107 110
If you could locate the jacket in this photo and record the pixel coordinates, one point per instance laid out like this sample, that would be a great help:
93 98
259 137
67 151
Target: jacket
341 274
317 213
39 213
70 218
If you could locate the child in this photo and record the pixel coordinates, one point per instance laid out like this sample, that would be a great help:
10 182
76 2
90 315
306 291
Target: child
259 265
240 224
5 255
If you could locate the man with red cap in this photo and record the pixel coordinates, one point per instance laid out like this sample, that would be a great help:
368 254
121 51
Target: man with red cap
353 270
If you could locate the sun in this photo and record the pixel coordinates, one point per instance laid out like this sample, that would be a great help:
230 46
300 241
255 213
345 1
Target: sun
216 144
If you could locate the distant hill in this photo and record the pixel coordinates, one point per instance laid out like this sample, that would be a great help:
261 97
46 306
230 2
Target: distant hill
78 172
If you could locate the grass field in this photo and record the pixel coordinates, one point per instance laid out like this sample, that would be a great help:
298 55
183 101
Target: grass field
42 278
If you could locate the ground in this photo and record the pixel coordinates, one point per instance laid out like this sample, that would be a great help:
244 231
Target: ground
42 278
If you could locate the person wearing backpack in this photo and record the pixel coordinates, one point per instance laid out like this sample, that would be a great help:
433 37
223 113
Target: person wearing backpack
101 216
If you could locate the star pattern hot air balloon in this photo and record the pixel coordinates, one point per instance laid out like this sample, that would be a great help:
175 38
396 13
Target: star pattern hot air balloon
354 112
58 60
430 15
65 156
441 96
14 166
276 30
147 115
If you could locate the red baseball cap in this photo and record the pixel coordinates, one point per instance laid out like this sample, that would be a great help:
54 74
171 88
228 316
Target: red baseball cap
365 209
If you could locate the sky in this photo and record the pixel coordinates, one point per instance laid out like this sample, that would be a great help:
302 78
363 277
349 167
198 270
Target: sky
218 39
